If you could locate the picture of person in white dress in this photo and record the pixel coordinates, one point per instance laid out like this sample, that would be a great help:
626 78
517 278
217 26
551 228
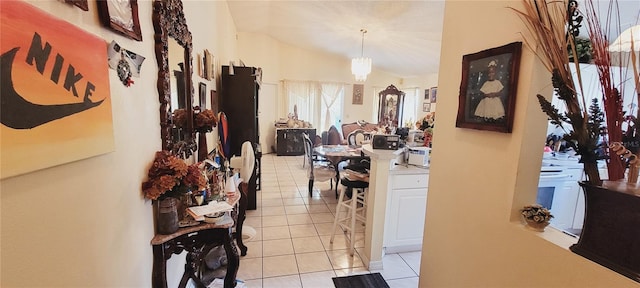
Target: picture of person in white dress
491 107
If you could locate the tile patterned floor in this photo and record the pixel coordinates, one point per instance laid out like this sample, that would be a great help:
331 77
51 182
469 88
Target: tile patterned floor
291 247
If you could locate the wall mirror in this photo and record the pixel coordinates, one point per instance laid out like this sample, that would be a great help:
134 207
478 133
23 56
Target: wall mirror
391 102
173 45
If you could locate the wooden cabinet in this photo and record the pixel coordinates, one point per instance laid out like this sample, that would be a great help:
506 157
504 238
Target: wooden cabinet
406 208
289 141
239 101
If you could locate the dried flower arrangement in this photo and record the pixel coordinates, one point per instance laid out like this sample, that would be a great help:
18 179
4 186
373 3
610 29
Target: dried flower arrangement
427 122
170 176
204 120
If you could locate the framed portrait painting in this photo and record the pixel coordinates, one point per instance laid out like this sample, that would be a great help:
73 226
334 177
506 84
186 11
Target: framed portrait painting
358 91
121 16
488 88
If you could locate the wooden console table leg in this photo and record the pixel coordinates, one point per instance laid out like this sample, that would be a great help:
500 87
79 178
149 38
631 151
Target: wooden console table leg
242 212
159 273
233 261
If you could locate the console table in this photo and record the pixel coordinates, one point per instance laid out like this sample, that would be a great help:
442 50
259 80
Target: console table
289 141
197 241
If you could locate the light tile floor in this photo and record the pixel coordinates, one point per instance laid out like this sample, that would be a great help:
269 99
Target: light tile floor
291 247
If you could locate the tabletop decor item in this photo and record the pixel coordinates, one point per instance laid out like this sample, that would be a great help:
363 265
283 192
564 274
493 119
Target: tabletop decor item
169 179
536 217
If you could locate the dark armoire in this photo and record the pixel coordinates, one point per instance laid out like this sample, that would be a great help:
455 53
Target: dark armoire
239 101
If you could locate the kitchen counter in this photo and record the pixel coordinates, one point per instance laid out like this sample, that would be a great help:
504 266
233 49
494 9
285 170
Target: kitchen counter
391 188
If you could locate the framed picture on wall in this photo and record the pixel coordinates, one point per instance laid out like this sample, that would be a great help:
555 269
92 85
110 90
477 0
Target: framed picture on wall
121 16
426 107
433 92
214 101
488 89
202 95
426 95
82 4
358 91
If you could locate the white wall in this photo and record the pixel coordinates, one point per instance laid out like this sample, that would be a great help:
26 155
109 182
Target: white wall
473 237
281 61
86 223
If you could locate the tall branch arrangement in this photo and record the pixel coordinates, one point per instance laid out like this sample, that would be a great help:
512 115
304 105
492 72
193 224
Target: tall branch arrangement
549 24
553 25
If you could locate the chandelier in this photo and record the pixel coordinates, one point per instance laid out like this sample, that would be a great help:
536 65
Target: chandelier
361 67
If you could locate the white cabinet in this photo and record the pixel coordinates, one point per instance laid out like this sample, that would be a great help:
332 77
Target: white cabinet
406 208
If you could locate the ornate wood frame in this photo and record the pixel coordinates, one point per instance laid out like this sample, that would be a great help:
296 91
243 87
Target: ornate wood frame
105 17
475 73
169 21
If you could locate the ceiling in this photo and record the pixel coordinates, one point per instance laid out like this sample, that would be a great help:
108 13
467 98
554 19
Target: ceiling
403 37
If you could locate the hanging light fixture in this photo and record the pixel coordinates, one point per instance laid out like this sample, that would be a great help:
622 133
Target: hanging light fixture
361 67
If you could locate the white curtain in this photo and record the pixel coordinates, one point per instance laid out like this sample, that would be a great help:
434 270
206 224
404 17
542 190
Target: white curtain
319 103
410 110
331 92
301 94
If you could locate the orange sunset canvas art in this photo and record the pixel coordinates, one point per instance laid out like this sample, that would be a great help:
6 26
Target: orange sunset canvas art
55 100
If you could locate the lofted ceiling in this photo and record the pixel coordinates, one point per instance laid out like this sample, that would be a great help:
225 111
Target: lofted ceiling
403 37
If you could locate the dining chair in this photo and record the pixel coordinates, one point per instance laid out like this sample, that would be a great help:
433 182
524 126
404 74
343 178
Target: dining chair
318 169
356 137
334 137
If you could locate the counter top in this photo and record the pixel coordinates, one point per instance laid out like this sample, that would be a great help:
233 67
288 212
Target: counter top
401 169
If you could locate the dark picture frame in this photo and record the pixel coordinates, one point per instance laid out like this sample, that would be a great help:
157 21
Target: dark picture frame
214 101
202 99
82 4
121 16
488 88
433 93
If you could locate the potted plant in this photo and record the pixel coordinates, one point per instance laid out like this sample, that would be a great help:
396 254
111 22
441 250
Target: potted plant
169 179
536 216
612 207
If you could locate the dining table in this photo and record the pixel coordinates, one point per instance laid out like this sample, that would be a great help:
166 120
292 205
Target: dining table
336 154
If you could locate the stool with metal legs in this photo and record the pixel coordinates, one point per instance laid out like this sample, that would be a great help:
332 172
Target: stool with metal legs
355 209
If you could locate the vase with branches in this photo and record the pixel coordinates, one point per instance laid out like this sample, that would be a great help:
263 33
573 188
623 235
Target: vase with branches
553 27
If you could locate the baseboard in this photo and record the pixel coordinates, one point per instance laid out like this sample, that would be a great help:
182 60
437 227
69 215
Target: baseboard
375 265
403 248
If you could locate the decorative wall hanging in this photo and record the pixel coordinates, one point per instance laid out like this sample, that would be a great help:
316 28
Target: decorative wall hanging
125 62
56 105
488 89
426 107
208 65
358 91
426 95
121 16
434 93
82 4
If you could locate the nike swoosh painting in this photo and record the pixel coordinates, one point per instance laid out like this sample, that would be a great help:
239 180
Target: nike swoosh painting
55 104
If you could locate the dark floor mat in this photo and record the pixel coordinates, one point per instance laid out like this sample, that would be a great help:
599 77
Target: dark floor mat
373 280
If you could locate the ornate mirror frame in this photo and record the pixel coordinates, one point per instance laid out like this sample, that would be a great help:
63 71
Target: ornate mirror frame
169 21
391 101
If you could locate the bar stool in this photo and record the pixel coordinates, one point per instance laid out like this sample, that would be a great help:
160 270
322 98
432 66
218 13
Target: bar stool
355 209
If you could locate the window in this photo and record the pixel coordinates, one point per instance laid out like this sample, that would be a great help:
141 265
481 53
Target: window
319 103
410 108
